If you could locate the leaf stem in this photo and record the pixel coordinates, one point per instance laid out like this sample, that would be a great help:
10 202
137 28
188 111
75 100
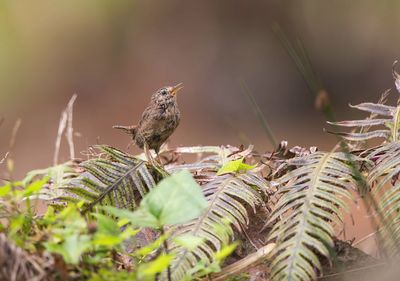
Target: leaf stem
165 246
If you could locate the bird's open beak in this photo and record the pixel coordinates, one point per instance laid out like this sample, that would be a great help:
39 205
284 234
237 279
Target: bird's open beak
175 89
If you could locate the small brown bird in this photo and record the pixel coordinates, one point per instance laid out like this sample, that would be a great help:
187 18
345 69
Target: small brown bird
159 120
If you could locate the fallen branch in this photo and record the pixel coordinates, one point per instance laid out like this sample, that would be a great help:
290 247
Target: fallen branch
243 264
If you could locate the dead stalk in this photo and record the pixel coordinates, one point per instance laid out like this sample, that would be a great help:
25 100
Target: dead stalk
16 127
243 264
65 124
4 158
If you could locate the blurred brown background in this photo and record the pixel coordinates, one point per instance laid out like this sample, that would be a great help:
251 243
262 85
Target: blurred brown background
115 54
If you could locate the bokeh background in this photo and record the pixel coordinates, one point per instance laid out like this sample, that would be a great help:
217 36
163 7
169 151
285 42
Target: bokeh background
115 54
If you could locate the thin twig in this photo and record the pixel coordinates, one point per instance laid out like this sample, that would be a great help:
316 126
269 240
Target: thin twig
300 58
352 270
70 130
65 124
4 158
11 145
372 234
165 246
15 129
61 128
259 113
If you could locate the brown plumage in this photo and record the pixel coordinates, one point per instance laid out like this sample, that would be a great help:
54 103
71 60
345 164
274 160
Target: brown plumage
159 120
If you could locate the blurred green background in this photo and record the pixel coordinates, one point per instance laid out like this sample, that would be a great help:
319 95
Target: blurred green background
115 54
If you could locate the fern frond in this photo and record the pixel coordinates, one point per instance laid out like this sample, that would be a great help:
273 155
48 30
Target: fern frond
390 124
386 191
228 196
118 179
313 196
58 176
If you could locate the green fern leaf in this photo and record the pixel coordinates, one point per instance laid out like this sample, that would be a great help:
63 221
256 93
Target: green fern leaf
117 179
227 197
390 124
313 197
383 177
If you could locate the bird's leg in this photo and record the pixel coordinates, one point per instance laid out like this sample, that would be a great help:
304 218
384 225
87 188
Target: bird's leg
159 160
147 152
153 161
158 157
159 167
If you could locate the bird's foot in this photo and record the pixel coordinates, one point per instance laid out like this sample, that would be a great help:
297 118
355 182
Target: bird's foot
155 162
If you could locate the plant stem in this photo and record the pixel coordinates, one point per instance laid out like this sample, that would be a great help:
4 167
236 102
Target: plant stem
259 113
165 246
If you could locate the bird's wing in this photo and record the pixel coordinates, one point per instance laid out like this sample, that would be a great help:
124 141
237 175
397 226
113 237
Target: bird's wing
147 113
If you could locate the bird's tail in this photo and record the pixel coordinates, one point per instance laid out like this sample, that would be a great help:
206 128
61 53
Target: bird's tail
130 130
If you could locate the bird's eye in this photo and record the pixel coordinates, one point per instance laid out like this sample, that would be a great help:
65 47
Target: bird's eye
163 92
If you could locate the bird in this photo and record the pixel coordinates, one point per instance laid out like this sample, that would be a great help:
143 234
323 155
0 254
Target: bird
159 120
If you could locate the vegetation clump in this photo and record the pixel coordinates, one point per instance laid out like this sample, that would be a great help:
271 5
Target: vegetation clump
231 213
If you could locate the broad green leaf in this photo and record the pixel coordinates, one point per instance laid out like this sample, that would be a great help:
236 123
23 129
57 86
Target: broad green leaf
102 239
148 270
234 167
34 187
72 248
176 199
106 225
144 218
138 218
108 232
75 246
188 241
